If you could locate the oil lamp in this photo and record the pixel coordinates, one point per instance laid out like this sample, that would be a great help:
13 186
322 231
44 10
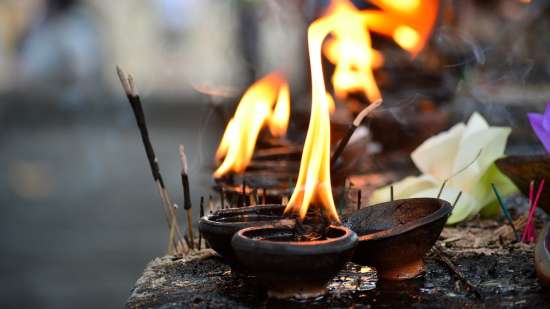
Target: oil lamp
395 236
298 261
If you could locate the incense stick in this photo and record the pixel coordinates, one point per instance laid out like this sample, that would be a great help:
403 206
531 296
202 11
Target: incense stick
529 230
175 238
505 211
201 213
186 194
243 196
356 123
359 199
391 193
441 189
457 199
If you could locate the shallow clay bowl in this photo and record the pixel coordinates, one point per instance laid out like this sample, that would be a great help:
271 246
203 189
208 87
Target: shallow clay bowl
290 268
218 228
395 236
522 169
542 256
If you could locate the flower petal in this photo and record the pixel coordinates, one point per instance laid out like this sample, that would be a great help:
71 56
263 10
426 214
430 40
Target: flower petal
536 121
465 207
492 143
403 189
436 155
546 118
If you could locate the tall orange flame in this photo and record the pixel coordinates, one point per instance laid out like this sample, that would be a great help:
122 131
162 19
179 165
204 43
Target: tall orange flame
408 22
351 51
266 102
313 184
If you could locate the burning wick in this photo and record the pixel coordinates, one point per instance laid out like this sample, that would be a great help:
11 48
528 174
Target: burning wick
186 194
176 240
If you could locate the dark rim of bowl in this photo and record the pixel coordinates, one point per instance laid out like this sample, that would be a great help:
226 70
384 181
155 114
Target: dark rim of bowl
342 242
444 210
208 218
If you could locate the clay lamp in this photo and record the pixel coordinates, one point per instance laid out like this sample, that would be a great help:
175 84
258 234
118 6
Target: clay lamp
523 169
291 263
542 256
395 236
218 228
298 261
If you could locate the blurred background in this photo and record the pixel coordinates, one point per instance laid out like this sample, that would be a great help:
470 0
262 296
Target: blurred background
80 213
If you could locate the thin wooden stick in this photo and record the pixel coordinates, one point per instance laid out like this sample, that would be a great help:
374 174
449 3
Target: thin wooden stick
201 213
457 199
441 257
243 196
359 199
356 123
391 193
441 189
210 204
186 194
176 239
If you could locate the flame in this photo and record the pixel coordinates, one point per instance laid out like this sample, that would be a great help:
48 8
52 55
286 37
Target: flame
408 22
351 51
313 183
278 122
266 102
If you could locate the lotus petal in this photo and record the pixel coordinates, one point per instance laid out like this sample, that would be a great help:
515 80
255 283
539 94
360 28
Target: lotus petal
436 155
403 189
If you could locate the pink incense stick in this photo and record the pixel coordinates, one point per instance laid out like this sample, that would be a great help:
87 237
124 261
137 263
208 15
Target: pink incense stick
531 191
529 232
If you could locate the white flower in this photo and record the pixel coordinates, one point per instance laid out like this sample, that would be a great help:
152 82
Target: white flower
464 155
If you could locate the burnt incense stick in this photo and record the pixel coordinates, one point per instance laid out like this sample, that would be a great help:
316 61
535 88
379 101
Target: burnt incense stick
457 199
356 123
243 196
391 193
201 214
505 210
255 194
186 193
176 238
210 204
441 189
359 199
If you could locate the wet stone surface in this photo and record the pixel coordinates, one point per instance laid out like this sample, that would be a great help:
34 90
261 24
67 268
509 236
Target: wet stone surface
504 278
